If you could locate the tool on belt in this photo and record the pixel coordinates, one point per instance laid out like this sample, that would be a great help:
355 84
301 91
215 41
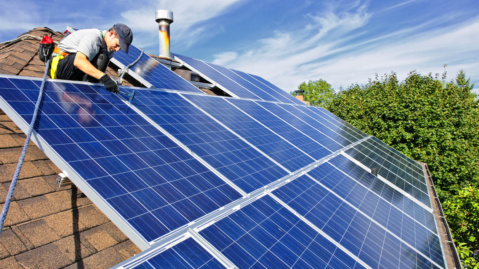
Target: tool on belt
46 48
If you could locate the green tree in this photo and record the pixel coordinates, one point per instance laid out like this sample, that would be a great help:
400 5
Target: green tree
317 93
462 214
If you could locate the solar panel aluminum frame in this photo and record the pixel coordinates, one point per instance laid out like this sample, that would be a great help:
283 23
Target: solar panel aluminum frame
109 211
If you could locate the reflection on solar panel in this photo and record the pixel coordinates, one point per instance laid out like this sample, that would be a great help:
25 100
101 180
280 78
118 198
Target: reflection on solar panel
237 83
393 167
210 182
150 72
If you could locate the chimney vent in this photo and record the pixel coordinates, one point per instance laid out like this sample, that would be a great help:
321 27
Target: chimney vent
164 18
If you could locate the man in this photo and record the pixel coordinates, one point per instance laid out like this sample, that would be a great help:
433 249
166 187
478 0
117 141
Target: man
88 52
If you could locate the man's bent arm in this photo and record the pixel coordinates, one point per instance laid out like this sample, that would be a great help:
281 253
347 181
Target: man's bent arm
82 63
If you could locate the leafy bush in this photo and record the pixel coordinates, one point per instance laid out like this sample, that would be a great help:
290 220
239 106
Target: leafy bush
462 214
317 93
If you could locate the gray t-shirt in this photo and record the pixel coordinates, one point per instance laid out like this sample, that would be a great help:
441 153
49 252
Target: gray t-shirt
88 42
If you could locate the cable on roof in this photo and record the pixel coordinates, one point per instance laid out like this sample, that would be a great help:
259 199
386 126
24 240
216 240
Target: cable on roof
8 200
121 73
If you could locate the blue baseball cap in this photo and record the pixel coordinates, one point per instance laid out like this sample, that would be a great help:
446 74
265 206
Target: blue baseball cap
125 36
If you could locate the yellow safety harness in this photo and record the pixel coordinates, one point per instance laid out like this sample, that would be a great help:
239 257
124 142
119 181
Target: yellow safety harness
58 55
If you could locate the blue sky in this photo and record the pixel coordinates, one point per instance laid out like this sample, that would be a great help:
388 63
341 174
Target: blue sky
286 42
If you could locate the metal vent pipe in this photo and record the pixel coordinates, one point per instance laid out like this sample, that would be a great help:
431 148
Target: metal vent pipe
164 18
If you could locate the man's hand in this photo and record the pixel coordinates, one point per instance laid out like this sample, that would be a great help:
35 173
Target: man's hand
109 84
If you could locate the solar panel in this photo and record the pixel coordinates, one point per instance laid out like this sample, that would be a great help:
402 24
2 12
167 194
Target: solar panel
237 83
140 178
270 86
330 117
219 79
367 182
265 234
150 72
206 182
227 153
333 142
302 141
393 168
279 149
361 233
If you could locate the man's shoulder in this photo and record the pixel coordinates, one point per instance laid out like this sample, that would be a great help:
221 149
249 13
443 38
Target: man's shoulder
87 32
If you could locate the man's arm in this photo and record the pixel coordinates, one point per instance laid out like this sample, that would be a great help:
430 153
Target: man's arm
82 63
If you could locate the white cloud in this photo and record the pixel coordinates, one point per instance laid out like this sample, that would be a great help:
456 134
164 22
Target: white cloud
289 58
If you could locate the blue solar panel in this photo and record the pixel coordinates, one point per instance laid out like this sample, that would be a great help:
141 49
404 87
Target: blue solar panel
303 142
362 235
333 142
227 153
391 168
213 75
152 183
281 92
328 116
341 135
276 92
264 234
337 126
187 254
239 83
405 163
385 213
150 72
367 182
274 146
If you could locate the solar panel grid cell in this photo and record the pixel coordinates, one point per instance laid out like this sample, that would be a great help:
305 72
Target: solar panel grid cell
328 116
187 254
262 95
279 91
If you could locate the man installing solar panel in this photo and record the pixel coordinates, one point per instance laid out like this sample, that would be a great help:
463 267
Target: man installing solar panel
87 52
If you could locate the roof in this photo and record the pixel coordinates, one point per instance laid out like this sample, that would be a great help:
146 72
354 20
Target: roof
48 226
